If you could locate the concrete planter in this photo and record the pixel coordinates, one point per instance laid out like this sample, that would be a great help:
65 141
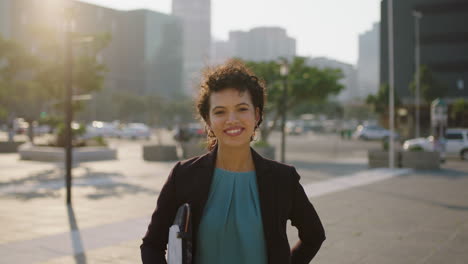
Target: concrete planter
193 148
421 160
159 153
266 151
56 154
379 159
10 147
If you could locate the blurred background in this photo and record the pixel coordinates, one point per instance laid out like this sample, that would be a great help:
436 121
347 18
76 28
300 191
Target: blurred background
141 61
122 76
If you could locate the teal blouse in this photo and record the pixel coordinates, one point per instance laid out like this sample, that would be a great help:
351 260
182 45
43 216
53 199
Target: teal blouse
231 229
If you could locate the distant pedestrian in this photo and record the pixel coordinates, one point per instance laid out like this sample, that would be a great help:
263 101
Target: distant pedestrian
240 201
182 134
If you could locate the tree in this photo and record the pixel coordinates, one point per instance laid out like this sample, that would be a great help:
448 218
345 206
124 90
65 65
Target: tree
430 88
459 112
329 108
380 101
29 94
306 85
131 107
16 66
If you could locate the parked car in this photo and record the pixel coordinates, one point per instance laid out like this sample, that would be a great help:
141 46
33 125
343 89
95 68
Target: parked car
455 141
42 129
313 126
294 127
135 131
101 129
20 126
373 132
197 130
426 144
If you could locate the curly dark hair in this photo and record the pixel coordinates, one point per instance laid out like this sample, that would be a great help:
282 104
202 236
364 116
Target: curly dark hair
232 74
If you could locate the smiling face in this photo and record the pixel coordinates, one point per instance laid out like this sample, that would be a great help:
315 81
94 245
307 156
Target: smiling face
232 117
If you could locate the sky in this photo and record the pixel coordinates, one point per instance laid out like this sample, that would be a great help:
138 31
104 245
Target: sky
328 28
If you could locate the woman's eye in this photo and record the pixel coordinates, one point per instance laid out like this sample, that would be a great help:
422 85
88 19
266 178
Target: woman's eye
244 109
218 113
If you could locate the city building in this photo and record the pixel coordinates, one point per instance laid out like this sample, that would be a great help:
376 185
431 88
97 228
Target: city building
221 51
368 64
195 16
143 57
262 44
151 52
443 44
349 80
5 18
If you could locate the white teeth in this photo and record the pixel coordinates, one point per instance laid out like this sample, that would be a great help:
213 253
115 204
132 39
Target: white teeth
234 131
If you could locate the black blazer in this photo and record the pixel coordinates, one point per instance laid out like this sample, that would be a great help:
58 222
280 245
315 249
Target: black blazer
281 198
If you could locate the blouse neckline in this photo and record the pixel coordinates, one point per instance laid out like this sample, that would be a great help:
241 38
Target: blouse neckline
235 172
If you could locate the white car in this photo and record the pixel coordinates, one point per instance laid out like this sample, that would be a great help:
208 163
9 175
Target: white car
294 127
42 129
134 131
373 132
425 144
456 143
101 129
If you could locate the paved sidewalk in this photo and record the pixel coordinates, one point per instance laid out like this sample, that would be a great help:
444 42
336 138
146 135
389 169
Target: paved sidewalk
370 216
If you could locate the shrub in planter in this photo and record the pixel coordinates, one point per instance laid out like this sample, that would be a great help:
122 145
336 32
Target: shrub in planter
159 152
415 148
379 158
10 147
423 160
76 131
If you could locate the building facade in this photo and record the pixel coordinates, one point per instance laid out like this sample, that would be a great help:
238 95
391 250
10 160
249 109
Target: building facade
5 18
143 57
368 65
221 51
443 45
262 44
195 16
349 80
151 52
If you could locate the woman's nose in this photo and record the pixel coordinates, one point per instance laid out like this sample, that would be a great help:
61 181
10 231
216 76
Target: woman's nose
232 117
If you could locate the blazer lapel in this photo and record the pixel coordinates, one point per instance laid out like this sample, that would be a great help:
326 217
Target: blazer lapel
201 186
266 193
205 177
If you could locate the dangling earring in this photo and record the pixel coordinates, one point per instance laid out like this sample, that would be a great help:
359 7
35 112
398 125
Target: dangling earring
210 133
253 136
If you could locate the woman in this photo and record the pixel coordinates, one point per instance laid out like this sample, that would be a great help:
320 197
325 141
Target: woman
240 201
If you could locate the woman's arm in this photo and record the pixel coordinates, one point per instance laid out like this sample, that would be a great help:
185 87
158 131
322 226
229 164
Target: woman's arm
153 248
305 219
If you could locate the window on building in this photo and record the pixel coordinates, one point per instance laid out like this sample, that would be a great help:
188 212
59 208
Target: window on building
99 57
99 14
23 18
454 136
114 26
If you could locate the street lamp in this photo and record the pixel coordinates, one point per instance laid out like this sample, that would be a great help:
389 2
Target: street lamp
391 77
284 71
69 41
68 106
417 57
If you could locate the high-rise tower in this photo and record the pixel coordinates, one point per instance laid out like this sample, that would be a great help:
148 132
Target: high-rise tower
195 16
